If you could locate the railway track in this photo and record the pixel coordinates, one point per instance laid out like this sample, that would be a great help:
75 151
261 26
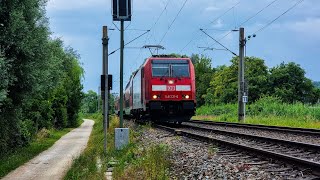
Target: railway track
306 156
300 131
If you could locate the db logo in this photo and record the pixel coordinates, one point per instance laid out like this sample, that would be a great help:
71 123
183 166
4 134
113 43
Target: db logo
171 96
171 88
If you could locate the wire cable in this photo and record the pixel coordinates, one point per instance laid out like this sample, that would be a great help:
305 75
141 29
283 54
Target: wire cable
297 3
193 37
257 13
224 13
173 21
251 17
219 43
129 42
153 25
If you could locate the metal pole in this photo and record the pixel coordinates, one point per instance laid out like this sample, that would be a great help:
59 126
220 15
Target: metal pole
98 97
121 73
105 89
241 76
108 94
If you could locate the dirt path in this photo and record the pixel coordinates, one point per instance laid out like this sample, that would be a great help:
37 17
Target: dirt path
54 162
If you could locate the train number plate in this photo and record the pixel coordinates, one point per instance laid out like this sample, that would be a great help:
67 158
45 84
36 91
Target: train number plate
171 96
171 88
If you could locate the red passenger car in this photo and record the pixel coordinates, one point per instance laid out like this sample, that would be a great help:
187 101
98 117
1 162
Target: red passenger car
163 88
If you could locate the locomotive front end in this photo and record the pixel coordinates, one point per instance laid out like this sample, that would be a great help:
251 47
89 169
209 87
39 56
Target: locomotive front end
172 89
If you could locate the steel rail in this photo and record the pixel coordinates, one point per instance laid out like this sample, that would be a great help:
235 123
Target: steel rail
314 166
304 131
293 143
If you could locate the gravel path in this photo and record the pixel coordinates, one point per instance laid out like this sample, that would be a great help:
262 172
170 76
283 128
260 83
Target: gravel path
54 162
266 133
198 160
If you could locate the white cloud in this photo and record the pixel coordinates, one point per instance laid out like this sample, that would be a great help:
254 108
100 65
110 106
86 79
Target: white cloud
218 24
212 8
309 27
303 29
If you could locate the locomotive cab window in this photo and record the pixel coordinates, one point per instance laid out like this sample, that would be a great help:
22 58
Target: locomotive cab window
160 70
180 70
170 68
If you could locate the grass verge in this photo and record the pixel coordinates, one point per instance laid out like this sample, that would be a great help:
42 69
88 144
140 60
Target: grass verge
44 140
132 162
266 111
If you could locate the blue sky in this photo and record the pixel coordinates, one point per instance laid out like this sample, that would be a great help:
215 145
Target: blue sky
293 37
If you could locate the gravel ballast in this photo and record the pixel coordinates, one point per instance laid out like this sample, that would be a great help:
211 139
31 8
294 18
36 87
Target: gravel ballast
192 159
266 133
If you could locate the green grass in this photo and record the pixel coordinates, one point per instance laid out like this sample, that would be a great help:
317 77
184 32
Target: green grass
44 140
132 162
145 163
266 111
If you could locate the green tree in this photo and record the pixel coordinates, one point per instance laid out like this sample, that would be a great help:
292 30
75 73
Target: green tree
73 86
224 83
23 39
316 84
90 102
223 86
40 81
290 84
203 73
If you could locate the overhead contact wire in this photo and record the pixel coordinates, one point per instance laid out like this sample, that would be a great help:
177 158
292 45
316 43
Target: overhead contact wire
173 21
209 23
297 3
251 17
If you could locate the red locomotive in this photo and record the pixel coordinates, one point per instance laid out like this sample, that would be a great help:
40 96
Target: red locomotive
163 88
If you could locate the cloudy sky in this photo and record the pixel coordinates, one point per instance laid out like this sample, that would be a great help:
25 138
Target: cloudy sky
293 37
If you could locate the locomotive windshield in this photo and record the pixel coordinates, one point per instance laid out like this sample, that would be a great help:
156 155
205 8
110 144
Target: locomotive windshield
170 68
179 70
160 70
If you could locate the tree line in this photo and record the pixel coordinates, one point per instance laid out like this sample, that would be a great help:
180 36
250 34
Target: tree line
92 103
219 85
40 79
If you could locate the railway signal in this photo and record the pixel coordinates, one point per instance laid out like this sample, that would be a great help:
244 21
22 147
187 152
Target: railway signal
121 12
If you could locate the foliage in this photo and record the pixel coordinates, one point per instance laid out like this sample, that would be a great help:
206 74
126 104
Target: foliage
316 84
267 110
286 81
40 80
145 163
290 83
91 101
224 83
204 73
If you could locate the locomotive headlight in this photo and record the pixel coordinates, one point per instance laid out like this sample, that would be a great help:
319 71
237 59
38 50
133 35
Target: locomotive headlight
154 96
187 96
171 81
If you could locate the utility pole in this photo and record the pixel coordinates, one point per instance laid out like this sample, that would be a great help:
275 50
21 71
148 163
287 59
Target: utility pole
98 97
121 72
104 84
241 82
